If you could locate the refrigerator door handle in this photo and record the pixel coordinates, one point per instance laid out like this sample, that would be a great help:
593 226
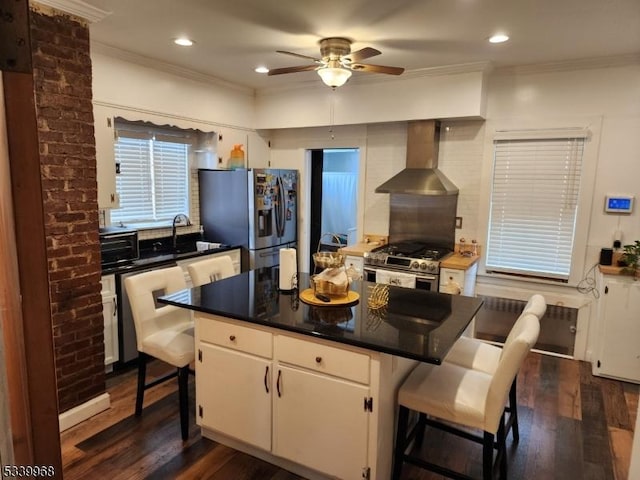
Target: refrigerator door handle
280 208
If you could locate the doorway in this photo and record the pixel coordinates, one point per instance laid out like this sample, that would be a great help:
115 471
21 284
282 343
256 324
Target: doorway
334 198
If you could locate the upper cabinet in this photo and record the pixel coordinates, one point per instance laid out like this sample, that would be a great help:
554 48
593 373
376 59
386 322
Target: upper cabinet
105 158
227 138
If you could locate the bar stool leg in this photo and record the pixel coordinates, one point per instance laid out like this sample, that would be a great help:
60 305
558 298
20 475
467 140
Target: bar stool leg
183 392
142 372
513 410
401 436
487 456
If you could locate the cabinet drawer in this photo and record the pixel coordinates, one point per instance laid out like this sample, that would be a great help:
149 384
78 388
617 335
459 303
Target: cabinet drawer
108 285
236 337
450 274
322 358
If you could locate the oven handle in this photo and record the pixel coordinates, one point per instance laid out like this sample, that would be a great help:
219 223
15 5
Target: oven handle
419 277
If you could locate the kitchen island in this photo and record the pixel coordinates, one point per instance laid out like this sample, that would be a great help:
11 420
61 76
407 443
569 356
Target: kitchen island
312 389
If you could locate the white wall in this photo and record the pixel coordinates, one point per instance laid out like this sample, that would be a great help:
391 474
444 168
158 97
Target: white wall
610 93
361 101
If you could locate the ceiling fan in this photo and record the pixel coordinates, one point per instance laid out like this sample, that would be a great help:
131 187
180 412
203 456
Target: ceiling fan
337 61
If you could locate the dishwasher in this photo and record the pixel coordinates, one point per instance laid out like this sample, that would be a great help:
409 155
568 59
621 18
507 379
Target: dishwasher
127 346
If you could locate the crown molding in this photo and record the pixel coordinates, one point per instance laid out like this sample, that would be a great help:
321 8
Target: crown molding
141 60
77 8
484 67
569 65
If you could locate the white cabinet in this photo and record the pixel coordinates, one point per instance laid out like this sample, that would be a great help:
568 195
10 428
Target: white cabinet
619 329
105 158
318 404
297 400
110 316
466 279
235 259
356 262
234 381
227 138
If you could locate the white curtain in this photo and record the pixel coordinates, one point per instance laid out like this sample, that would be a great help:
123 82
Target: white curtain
339 190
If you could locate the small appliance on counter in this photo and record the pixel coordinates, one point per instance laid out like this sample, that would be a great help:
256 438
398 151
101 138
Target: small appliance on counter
118 246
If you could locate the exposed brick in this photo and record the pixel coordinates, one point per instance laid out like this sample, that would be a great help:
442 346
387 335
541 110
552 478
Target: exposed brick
62 88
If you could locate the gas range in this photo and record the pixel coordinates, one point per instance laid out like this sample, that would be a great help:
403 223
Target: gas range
410 256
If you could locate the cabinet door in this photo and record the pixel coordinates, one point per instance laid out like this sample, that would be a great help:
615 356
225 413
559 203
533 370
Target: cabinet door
233 395
620 348
105 159
321 422
109 314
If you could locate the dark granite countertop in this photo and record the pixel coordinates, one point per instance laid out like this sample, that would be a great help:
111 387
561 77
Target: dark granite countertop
416 324
149 259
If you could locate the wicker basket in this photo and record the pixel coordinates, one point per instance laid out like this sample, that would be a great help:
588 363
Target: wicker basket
329 289
328 259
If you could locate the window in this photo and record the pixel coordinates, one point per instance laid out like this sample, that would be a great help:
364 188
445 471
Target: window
534 206
153 183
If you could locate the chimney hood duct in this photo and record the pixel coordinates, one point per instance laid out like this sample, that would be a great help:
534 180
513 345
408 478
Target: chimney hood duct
421 177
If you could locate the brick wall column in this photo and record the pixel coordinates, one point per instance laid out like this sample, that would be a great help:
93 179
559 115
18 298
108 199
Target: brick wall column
62 79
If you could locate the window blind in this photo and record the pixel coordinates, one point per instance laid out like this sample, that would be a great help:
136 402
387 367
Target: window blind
153 183
534 201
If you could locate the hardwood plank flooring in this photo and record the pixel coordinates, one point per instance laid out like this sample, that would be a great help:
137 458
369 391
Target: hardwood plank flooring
572 425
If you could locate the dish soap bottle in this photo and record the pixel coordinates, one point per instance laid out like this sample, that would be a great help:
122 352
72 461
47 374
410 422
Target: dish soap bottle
236 158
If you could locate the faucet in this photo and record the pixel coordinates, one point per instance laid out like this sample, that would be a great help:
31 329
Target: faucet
180 219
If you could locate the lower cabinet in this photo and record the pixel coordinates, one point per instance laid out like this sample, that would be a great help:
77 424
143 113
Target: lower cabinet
465 279
295 399
110 317
233 394
618 349
322 397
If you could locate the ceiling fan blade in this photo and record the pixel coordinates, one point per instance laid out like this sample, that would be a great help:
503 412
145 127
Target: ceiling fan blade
300 68
363 67
299 55
363 54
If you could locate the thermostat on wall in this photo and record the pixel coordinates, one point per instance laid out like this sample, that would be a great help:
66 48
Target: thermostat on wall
618 203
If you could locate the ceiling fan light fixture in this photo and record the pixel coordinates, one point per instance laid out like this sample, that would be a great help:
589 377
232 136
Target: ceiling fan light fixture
183 41
334 76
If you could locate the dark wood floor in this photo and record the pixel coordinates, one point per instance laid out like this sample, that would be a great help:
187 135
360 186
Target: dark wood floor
573 425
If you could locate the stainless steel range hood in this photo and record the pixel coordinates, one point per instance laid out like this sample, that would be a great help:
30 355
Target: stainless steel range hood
421 177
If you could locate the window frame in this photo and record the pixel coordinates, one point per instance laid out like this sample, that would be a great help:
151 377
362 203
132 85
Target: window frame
146 131
521 190
580 258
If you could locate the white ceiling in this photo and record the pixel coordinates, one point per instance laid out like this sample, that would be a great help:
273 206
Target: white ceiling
235 36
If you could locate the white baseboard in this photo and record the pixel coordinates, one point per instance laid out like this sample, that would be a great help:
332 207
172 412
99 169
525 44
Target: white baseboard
82 412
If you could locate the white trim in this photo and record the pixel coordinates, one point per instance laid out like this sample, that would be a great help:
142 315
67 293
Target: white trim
571 65
77 8
88 409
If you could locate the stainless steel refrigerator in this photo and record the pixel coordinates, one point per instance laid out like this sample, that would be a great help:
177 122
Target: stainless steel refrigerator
255 209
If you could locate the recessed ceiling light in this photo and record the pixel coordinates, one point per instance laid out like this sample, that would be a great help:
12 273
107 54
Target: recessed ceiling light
183 42
262 70
499 38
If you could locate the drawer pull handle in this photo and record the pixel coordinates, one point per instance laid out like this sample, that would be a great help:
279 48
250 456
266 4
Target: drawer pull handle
232 338
318 359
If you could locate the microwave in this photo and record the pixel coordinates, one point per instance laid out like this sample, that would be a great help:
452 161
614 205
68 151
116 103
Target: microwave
118 247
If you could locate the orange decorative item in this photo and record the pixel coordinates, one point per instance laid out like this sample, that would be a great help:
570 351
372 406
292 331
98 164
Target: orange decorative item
236 158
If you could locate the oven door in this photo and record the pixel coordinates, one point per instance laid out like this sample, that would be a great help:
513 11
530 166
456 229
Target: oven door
423 282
